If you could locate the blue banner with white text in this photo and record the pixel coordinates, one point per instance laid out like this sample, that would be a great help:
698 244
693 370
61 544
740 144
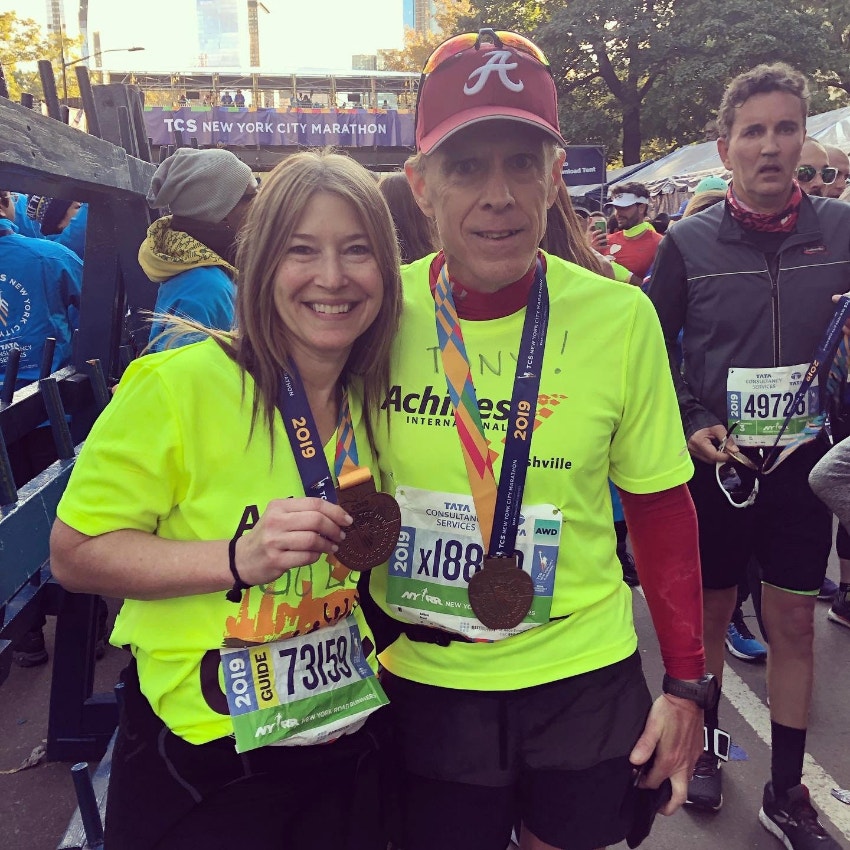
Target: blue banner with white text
347 128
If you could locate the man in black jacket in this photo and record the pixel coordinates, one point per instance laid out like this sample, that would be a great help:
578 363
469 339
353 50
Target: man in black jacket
750 282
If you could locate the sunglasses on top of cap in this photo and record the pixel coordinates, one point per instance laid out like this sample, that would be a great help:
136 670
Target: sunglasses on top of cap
458 44
473 40
807 173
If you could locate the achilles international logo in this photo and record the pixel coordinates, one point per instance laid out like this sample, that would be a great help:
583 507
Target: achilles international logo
497 62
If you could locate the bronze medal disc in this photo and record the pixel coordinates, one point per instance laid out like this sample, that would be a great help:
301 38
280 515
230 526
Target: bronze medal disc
371 539
501 593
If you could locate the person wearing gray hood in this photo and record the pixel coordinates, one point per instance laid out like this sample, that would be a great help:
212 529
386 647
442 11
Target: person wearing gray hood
190 253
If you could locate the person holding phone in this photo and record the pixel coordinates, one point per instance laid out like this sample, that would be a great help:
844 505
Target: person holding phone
597 231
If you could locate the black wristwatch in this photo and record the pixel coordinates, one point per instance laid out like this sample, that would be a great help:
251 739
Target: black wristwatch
705 692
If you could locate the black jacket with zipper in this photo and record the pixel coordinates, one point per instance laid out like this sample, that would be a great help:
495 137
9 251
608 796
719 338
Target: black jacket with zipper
746 299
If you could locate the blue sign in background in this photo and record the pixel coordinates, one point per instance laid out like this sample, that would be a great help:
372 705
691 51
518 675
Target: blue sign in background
585 165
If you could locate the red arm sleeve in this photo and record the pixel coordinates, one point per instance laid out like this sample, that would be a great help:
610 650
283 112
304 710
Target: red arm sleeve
663 530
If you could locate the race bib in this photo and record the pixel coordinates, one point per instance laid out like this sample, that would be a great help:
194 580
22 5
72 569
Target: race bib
760 399
439 549
305 690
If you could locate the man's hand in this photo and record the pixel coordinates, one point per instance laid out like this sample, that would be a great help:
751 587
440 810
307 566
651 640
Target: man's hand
597 239
673 732
703 444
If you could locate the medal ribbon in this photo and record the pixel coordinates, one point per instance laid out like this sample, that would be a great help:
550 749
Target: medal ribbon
832 347
307 445
497 508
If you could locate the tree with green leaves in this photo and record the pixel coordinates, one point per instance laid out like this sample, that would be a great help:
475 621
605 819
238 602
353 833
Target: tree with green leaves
19 44
652 71
22 44
663 64
836 35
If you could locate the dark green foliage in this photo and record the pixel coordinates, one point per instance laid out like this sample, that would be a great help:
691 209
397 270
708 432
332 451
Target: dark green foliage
648 76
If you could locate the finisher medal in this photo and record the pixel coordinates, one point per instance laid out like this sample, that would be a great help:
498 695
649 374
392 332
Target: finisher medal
501 593
372 537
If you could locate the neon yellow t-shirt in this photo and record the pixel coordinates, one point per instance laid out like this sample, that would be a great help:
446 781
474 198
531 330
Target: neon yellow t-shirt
170 455
606 408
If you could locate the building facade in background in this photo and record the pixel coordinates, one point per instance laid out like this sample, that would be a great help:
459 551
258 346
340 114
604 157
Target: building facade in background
424 16
408 15
364 62
218 34
55 16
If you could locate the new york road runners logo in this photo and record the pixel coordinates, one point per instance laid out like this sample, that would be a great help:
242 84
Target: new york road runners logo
421 595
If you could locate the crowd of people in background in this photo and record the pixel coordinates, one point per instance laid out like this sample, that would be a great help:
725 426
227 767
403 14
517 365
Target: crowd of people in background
281 317
298 100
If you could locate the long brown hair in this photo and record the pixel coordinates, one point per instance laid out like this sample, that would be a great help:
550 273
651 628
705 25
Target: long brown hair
260 345
416 236
565 234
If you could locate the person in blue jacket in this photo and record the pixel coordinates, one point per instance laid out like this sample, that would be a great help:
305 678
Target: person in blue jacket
190 253
40 285
59 220
73 235
26 226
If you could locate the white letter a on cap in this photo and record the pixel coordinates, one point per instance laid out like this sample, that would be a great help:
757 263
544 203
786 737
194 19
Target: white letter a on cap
496 61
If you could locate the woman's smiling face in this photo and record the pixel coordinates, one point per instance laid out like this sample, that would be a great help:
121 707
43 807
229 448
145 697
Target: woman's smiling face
328 286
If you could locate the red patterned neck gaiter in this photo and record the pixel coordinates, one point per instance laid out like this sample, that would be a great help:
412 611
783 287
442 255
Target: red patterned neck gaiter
781 222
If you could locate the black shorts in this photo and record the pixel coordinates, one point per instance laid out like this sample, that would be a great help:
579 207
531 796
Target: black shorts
554 757
165 793
788 529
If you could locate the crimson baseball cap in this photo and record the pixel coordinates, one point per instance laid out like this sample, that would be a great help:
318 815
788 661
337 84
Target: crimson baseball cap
480 76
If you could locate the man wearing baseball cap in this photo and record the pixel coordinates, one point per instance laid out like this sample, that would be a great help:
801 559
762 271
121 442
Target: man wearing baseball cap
521 382
635 243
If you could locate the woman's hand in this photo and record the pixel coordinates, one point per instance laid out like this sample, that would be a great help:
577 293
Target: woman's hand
136 564
290 533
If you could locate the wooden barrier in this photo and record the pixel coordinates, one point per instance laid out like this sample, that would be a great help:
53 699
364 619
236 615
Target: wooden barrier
42 155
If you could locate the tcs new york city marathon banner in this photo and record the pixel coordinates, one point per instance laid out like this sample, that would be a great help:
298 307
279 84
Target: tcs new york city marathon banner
310 127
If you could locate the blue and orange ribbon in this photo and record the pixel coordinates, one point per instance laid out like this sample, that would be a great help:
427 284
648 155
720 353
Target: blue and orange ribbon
499 505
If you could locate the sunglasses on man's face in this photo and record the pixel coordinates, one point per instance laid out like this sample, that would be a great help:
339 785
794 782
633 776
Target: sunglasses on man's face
807 173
